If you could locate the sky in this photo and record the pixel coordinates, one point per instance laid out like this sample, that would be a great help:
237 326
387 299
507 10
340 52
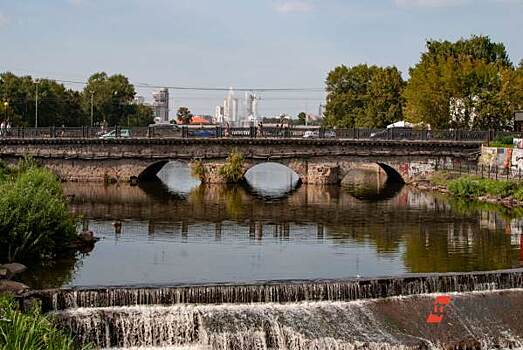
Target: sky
251 44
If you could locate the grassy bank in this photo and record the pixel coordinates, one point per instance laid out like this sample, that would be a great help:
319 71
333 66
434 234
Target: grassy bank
475 187
35 223
29 331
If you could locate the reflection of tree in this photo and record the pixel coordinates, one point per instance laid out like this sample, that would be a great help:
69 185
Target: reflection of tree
464 248
54 275
233 200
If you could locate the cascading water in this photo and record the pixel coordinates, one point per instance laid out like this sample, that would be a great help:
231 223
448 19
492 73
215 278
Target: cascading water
279 292
386 313
474 320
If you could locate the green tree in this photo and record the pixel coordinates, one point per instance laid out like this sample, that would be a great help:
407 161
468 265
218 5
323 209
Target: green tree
302 117
363 96
57 105
140 115
111 95
184 115
467 84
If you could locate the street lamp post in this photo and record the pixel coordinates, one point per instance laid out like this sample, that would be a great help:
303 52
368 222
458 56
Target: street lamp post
36 103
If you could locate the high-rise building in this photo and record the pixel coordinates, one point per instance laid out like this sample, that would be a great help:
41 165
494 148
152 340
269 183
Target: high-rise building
251 105
161 105
230 108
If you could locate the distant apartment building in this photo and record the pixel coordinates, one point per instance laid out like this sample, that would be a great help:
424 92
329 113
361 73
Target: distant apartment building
161 105
232 113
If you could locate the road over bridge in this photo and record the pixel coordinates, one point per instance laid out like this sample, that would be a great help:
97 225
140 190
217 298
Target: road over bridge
316 161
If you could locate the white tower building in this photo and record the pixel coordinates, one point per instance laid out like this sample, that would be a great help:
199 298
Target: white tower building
161 105
230 108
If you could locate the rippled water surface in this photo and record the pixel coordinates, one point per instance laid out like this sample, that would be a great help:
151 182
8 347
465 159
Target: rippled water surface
184 232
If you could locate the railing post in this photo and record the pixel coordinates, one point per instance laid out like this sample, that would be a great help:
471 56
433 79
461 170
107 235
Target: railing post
184 132
321 133
117 128
357 134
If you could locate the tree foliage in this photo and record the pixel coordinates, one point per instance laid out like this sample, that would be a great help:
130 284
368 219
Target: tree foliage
57 105
184 115
112 97
467 84
363 96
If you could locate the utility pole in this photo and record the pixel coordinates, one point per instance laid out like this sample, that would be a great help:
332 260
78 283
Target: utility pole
36 103
92 108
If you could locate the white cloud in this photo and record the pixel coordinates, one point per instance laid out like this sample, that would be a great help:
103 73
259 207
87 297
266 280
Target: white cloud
429 3
4 21
294 6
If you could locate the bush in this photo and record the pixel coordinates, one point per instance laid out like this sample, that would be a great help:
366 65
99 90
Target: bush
232 170
29 331
499 188
466 187
503 141
471 187
35 222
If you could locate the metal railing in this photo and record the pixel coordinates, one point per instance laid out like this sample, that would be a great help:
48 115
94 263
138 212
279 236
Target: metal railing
254 132
496 172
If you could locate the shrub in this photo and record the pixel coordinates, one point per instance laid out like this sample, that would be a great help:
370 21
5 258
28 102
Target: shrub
499 188
466 187
29 331
232 170
35 222
503 141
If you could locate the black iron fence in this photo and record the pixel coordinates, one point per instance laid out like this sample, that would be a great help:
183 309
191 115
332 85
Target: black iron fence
255 132
485 171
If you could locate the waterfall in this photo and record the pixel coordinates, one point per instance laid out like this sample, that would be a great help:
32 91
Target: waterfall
474 320
278 292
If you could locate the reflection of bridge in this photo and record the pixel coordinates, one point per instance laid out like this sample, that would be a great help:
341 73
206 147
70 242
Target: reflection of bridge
316 161
214 204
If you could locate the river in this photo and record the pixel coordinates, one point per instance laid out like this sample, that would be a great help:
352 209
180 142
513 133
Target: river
179 231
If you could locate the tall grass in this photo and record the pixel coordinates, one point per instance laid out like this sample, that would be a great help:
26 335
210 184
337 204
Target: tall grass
232 170
30 331
35 223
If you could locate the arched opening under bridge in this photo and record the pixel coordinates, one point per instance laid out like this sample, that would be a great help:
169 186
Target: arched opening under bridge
271 180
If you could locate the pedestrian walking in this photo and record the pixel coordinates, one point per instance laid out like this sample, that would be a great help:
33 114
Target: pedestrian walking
8 128
2 128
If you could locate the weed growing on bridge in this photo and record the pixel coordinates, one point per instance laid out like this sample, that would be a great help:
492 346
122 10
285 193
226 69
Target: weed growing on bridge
197 169
232 170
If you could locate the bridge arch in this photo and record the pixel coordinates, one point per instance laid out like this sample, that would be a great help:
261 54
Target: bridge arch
393 174
149 173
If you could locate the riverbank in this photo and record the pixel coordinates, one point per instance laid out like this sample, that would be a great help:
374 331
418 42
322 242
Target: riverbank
508 193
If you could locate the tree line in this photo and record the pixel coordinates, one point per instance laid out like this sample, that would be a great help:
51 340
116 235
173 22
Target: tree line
467 84
108 99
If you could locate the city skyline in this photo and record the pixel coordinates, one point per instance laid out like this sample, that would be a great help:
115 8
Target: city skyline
209 44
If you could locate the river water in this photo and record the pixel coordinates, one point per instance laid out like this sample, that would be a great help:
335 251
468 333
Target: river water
178 231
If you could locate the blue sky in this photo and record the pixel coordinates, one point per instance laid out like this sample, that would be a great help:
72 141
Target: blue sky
243 43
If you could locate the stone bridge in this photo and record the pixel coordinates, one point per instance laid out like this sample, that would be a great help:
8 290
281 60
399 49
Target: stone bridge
316 161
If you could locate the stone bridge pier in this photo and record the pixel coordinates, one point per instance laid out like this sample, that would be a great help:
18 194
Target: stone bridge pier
315 161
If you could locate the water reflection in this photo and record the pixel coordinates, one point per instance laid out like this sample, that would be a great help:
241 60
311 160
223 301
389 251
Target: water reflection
370 183
220 233
271 180
177 178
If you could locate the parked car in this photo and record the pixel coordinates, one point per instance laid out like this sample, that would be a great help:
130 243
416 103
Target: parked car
124 133
329 134
310 134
